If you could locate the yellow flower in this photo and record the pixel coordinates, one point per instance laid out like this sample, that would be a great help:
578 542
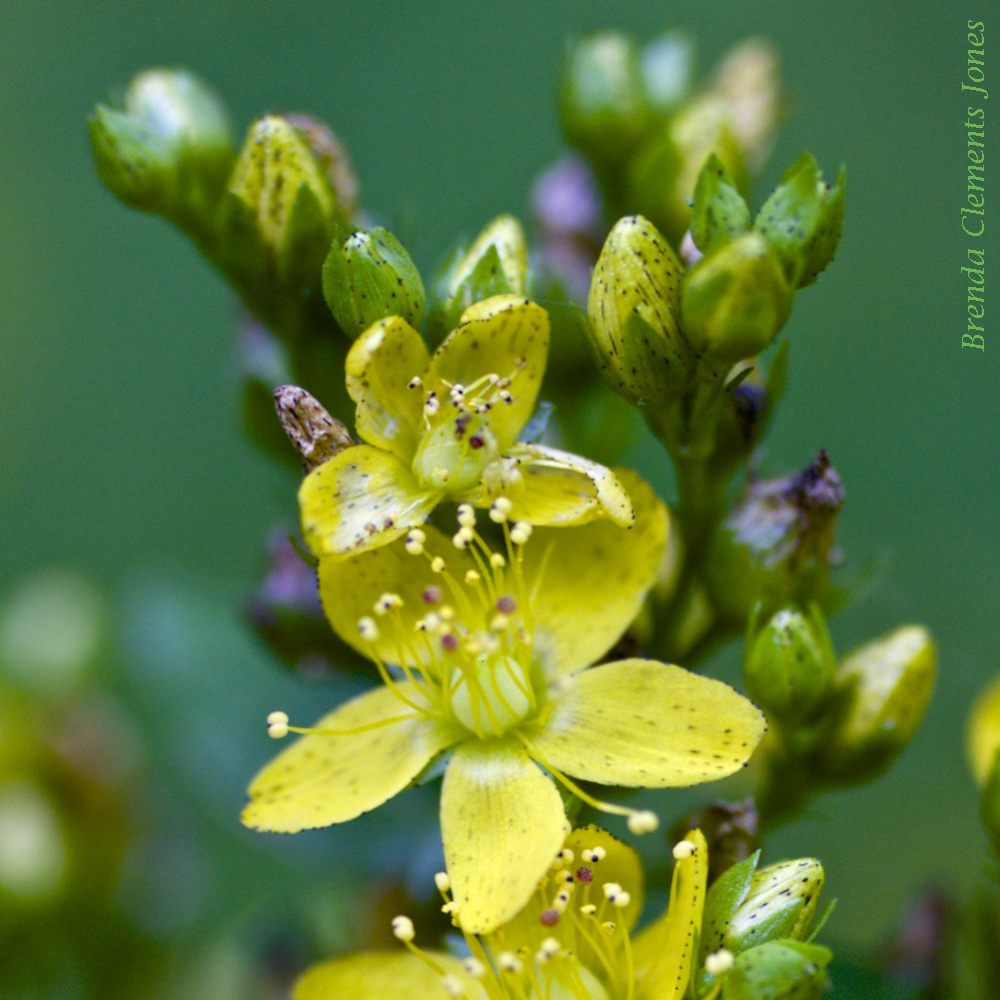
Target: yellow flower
483 654
446 427
574 940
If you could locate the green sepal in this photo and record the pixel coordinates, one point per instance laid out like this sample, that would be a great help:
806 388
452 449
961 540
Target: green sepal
720 212
778 970
603 106
725 896
735 299
370 276
803 219
486 279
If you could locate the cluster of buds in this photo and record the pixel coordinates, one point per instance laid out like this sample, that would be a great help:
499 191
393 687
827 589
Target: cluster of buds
646 130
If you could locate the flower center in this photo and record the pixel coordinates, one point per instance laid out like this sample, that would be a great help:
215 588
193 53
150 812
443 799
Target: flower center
453 455
491 696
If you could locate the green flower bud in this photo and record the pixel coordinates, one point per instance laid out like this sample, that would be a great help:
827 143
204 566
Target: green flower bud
790 664
720 214
888 684
281 212
780 904
495 264
778 970
989 803
170 147
735 300
333 157
369 277
604 107
802 220
633 313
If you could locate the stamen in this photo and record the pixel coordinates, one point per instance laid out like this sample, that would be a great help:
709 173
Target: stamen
387 602
520 533
442 881
368 629
431 405
643 822
463 538
509 962
500 509
466 515
683 849
437 565
719 962
415 383
277 725
474 967
595 854
452 985
402 929
471 577
497 561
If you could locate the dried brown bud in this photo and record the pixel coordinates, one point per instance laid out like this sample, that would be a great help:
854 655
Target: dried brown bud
316 435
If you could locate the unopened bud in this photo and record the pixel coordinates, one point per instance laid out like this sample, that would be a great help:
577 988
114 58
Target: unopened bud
779 970
802 220
983 733
633 312
888 683
604 108
790 664
316 435
371 276
735 299
333 157
720 213
169 148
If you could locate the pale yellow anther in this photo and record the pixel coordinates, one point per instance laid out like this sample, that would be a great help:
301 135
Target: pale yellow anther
473 647
437 565
387 602
499 623
472 576
719 962
497 561
549 947
417 534
683 849
502 383
457 391
414 548
432 405
520 533
415 383
368 629
463 538
622 899
588 909
643 821
447 613
402 928
442 881
608 927
449 908
452 985
277 717
441 474
611 889
509 962
505 395
500 509
565 856
594 854
277 725
474 967
466 516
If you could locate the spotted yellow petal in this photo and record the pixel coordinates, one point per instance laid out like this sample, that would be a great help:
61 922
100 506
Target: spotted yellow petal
665 950
324 779
548 486
647 724
506 336
388 975
349 589
983 734
502 822
588 582
380 366
362 498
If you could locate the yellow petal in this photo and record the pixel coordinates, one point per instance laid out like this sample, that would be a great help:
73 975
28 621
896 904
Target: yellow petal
588 582
362 498
558 487
647 724
983 736
323 779
379 367
502 822
387 975
349 589
664 952
505 336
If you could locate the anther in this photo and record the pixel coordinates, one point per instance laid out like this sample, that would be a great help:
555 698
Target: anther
474 967
277 725
437 565
447 613
387 602
500 623
683 849
549 947
588 909
564 857
472 576
584 875
497 561
431 595
719 962
413 546
432 405
499 510
509 962
368 629
505 395
507 606
621 900
402 929
520 533
463 538
549 917
643 821
452 985
415 383
466 515
442 881
611 889
594 854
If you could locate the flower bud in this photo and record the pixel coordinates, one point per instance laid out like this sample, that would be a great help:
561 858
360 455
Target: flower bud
735 299
989 803
668 69
170 147
633 313
720 214
778 970
775 546
604 108
780 904
790 664
369 277
982 741
280 218
332 155
888 683
802 220
495 264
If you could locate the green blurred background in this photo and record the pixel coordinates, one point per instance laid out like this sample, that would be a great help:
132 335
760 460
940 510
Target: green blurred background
123 458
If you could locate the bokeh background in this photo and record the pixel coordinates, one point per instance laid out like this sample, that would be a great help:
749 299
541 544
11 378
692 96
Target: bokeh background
133 508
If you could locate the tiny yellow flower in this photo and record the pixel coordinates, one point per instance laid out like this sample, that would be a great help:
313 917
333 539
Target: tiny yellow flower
483 654
446 427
